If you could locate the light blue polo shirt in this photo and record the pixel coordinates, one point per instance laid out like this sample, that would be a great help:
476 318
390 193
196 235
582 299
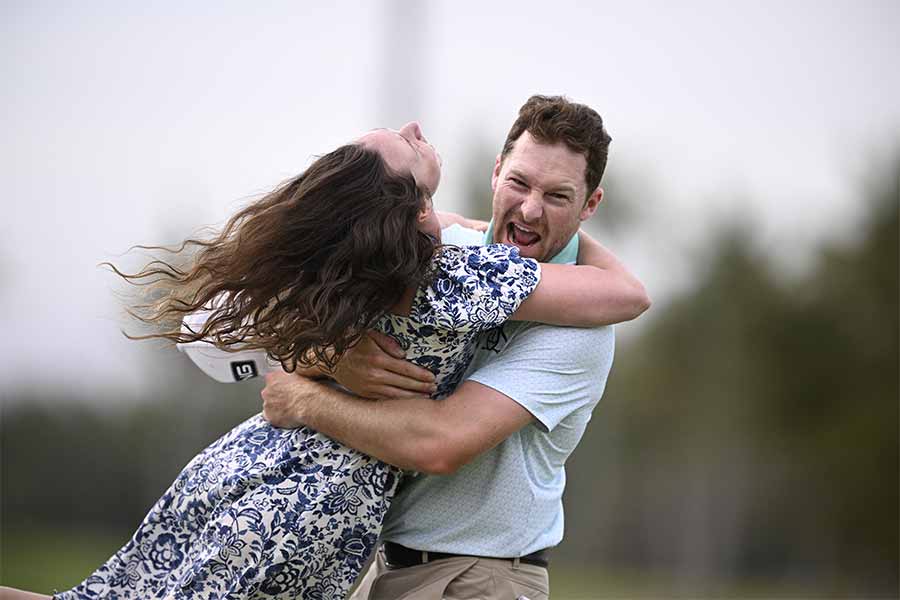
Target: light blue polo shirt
508 501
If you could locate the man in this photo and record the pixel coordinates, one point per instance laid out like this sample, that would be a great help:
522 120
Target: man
481 528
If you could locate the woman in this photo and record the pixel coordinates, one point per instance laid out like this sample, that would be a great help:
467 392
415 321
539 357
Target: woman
349 245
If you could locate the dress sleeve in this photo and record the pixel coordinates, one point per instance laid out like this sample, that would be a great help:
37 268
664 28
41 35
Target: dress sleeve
476 287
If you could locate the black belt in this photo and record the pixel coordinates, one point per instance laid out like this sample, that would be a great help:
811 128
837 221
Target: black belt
401 556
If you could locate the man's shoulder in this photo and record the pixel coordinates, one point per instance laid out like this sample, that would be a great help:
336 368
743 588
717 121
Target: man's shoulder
521 334
458 235
550 371
539 347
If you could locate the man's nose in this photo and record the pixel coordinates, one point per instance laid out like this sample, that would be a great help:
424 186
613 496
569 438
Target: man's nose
532 207
412 130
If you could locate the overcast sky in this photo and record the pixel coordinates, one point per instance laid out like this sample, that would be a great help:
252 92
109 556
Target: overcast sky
129 122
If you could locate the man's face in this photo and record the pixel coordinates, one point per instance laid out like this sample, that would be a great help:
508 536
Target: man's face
539 197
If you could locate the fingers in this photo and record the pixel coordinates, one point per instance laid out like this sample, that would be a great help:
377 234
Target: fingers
408 370
387 343
387 392
410 373
375 368
424 384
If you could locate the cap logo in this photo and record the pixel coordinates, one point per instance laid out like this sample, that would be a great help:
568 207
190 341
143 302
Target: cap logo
243 369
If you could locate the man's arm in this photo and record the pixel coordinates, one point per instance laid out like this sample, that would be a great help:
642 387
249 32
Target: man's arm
431 436
599 290
544 375
583 296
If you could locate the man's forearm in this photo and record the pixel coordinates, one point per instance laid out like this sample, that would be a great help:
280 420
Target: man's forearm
402 432
432 436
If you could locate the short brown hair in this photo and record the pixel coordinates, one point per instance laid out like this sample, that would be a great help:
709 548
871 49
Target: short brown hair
554 119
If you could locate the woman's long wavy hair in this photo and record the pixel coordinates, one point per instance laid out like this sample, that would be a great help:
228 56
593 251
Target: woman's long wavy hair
301 273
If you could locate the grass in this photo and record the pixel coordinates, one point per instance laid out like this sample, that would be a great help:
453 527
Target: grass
44 560
570 583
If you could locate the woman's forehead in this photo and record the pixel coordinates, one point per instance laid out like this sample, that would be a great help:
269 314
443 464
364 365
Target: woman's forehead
384 135
393 147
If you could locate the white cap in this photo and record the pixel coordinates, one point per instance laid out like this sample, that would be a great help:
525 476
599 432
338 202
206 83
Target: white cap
226 367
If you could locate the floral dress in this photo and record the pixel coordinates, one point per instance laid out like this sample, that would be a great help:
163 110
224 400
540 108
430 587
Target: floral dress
290 513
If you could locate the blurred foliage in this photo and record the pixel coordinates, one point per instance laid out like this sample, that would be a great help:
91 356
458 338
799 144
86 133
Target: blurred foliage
749 433
68 463
752 428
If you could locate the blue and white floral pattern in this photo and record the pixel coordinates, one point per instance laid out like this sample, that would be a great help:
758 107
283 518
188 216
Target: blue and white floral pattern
290 513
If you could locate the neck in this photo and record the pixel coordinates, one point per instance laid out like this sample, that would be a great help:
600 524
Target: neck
404 305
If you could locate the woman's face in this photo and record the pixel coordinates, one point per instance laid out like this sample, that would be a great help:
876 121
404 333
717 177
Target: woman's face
407 151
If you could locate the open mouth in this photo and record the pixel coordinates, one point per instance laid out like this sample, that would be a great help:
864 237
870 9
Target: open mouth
521 236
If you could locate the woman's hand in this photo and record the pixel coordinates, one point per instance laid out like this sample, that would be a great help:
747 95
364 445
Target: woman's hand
375 368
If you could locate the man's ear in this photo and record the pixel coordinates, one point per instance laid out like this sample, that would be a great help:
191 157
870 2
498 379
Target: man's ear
591 205
495 176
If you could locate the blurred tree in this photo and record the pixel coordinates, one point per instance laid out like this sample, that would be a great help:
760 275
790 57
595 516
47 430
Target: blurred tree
69 464
753 427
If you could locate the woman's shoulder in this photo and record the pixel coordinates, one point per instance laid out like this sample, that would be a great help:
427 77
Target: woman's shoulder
482 266
475 286
453 258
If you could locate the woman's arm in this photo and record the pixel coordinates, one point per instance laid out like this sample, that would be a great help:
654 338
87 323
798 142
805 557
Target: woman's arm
597 291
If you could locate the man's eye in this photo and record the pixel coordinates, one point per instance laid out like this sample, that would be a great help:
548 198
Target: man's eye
517 182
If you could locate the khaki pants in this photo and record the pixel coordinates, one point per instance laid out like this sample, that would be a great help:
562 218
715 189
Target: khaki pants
463 578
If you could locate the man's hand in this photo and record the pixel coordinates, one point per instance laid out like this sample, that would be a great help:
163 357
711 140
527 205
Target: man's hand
284 398
375 368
